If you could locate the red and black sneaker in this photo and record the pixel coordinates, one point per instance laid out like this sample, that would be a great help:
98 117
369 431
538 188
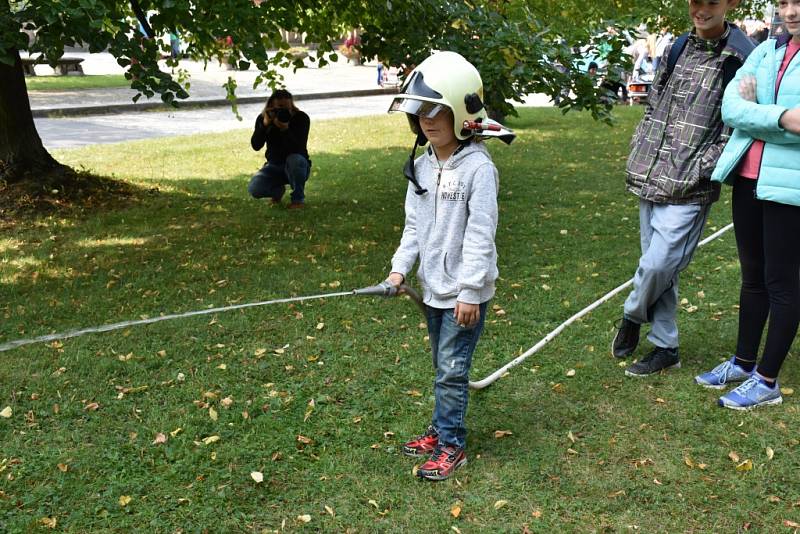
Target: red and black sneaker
422 445
442 463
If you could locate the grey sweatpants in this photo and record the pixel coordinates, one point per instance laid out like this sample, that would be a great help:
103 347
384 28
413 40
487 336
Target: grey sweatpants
669 235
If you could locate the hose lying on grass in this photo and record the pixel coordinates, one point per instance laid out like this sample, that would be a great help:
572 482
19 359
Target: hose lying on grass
383 289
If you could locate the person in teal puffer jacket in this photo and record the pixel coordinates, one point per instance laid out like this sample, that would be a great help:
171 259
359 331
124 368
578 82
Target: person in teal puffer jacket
762 163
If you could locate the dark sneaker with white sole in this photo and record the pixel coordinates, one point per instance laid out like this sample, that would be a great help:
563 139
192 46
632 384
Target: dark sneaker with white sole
659 359
626 340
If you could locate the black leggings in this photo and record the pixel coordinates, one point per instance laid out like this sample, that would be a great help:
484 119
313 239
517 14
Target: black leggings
768 240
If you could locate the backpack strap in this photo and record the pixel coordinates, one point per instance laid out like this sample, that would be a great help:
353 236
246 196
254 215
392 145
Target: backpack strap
674 53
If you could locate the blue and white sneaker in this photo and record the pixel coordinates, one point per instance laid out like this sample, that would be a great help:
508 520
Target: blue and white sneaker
722 375
751 393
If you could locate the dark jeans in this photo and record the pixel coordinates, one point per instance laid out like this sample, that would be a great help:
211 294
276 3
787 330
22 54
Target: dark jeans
271 180
452 348
767 240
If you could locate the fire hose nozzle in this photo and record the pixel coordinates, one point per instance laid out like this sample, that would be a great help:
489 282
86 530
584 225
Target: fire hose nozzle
384 289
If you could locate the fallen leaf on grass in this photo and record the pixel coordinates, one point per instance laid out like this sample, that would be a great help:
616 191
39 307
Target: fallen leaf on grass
455 529
222 366
124 500
571 373
657 482
305 518
499 434
747 465
176 432
499 504
212 413
305 440
733 456
226 402
787 391
571 436
790 524
774 498
63 467
770 453
210 439
537 514
320 326
330 511
455 510
688 461
260 352
258 476
373 503
160 438
7 412
49 522
413 393
92 406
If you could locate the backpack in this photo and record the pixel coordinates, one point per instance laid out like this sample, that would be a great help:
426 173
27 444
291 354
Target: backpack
737 39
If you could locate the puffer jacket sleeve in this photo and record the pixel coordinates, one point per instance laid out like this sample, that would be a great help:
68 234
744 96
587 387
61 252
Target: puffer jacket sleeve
760 121
406 254
478 249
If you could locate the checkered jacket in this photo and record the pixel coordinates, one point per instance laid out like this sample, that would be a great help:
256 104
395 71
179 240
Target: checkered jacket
681 136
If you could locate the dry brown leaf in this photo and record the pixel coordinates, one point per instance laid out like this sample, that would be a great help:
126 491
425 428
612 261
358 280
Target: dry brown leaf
160 438
373 503
305 440
7 412
210 439
733 456
226 402
222 366
455 510
787 391
320 326
571 436
572 451
176 432
63 467
499 504
571 373
660 400
124 500
790 524
330 511
657 482
770 453
688 461
774 498
258 476
92 406
537 514
212 413
260 352
413 393
305 518
499 434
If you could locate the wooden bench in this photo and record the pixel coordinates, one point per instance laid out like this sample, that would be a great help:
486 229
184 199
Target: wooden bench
64 66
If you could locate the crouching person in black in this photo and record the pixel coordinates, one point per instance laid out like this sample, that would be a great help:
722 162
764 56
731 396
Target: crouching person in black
284 129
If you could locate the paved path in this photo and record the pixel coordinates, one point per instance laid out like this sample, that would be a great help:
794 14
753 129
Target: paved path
71 132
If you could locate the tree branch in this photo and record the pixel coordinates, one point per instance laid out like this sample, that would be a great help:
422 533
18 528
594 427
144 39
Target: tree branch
140 15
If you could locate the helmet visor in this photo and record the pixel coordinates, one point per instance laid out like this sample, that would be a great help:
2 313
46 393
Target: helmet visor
420 108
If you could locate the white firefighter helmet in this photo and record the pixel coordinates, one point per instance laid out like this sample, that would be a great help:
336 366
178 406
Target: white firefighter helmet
446 79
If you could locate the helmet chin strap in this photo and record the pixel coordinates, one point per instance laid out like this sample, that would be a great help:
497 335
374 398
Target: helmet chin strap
408 169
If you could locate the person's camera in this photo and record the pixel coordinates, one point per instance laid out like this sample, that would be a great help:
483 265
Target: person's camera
282 114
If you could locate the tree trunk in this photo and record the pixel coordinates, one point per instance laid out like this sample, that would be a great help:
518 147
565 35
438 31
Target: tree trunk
22 155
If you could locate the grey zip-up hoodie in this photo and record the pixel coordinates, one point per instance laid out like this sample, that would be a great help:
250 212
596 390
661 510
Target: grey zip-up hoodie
451 228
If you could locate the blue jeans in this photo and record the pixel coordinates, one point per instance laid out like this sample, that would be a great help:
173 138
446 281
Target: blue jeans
271 180
452 348
669 235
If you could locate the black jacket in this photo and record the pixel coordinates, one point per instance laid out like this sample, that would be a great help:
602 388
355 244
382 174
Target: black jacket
281 143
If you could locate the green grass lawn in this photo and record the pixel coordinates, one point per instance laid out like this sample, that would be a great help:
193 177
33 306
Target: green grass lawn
232 393
74 83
